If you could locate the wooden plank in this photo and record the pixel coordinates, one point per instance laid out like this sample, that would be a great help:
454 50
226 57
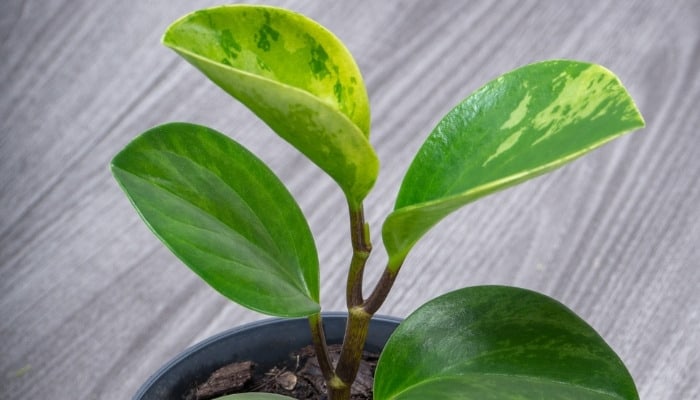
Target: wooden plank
91 303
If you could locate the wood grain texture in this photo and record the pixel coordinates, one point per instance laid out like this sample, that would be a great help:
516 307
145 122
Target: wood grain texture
91 303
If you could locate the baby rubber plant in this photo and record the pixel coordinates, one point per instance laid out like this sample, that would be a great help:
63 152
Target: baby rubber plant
225 214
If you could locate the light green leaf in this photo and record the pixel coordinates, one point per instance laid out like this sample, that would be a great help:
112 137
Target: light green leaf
496 342
225 215
518 126
254 396
295 75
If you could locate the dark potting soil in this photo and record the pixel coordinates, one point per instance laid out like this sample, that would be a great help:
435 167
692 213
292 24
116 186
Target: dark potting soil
301 378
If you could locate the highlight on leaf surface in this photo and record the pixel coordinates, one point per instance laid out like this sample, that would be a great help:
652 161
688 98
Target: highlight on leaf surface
497 342
293 74
225 215
518 126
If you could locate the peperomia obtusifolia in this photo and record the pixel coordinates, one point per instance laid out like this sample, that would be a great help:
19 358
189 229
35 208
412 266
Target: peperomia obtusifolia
226 215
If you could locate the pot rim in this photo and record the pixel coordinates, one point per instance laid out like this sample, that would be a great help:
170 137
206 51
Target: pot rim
189 351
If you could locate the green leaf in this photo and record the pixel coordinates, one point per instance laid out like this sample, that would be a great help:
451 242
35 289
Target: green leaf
225 215
254 396
496 342
293 74
520 125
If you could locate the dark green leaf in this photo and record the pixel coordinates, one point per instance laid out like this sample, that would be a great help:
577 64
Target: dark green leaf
295 75
518 126
225 215
495 342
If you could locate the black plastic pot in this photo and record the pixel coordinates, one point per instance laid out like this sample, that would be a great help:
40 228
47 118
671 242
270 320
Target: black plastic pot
267 343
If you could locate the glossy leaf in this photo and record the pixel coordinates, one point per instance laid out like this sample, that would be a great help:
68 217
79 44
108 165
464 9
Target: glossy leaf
254 396
295 75
518 126
496 342
225 215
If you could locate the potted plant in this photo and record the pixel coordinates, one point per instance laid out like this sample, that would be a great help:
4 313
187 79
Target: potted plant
229 218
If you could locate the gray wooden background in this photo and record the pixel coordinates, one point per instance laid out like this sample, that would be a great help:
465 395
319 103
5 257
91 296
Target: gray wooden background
91 303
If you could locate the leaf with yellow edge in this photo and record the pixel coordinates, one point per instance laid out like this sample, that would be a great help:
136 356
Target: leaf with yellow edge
293 74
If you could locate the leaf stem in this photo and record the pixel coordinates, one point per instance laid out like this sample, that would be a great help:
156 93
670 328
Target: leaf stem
341 378
360 311
361 249
380 292
320 346
353 344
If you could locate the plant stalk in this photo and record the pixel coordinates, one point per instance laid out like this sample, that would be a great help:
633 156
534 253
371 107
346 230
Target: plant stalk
381 291
361 249
360 311
318 337
357 326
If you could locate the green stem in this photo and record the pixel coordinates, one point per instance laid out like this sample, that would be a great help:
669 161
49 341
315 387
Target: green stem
360 311
356 331
340 392
318 337
381 291
358 320
353 345
361 249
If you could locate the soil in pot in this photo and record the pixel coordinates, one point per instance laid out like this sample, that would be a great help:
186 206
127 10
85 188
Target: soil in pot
277 347
301 378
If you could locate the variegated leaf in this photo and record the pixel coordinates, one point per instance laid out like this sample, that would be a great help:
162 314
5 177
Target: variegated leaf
293 74
518 126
